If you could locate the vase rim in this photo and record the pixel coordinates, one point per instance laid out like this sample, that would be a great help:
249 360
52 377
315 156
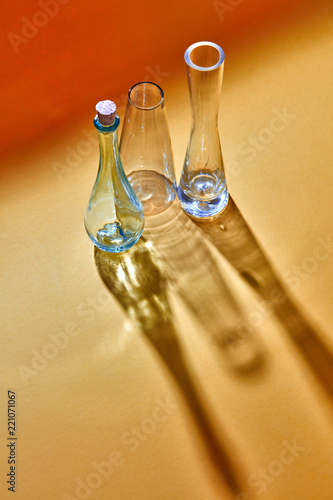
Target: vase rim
189 50
146 108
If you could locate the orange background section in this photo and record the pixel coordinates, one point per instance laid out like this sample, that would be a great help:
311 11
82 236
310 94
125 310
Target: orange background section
95 50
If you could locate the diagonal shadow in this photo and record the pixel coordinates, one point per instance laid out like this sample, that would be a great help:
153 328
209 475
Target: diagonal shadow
197 279
232 236
136 279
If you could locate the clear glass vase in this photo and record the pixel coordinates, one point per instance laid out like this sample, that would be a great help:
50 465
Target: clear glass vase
114 217
202 189
145 148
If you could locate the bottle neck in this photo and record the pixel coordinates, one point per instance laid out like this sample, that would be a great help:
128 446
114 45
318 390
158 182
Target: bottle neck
108 144
205 90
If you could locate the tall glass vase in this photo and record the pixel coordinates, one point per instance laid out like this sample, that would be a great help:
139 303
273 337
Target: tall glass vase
202 189
145 148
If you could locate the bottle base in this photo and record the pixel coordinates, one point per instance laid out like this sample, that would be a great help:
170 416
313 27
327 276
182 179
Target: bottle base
112 238
199 209
116 249
154 191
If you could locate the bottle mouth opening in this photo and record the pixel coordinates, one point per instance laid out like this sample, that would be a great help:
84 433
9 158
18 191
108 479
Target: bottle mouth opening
204 56
146 95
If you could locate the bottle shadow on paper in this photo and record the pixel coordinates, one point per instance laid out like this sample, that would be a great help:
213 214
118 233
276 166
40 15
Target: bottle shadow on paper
231 235
139 279
197 279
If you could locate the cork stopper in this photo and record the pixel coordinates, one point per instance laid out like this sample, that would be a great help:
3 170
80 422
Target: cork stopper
106 111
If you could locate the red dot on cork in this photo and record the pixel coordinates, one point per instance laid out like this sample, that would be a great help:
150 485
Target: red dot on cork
106 111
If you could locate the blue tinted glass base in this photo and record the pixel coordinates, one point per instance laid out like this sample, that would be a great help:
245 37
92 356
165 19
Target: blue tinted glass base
117 247
199 209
